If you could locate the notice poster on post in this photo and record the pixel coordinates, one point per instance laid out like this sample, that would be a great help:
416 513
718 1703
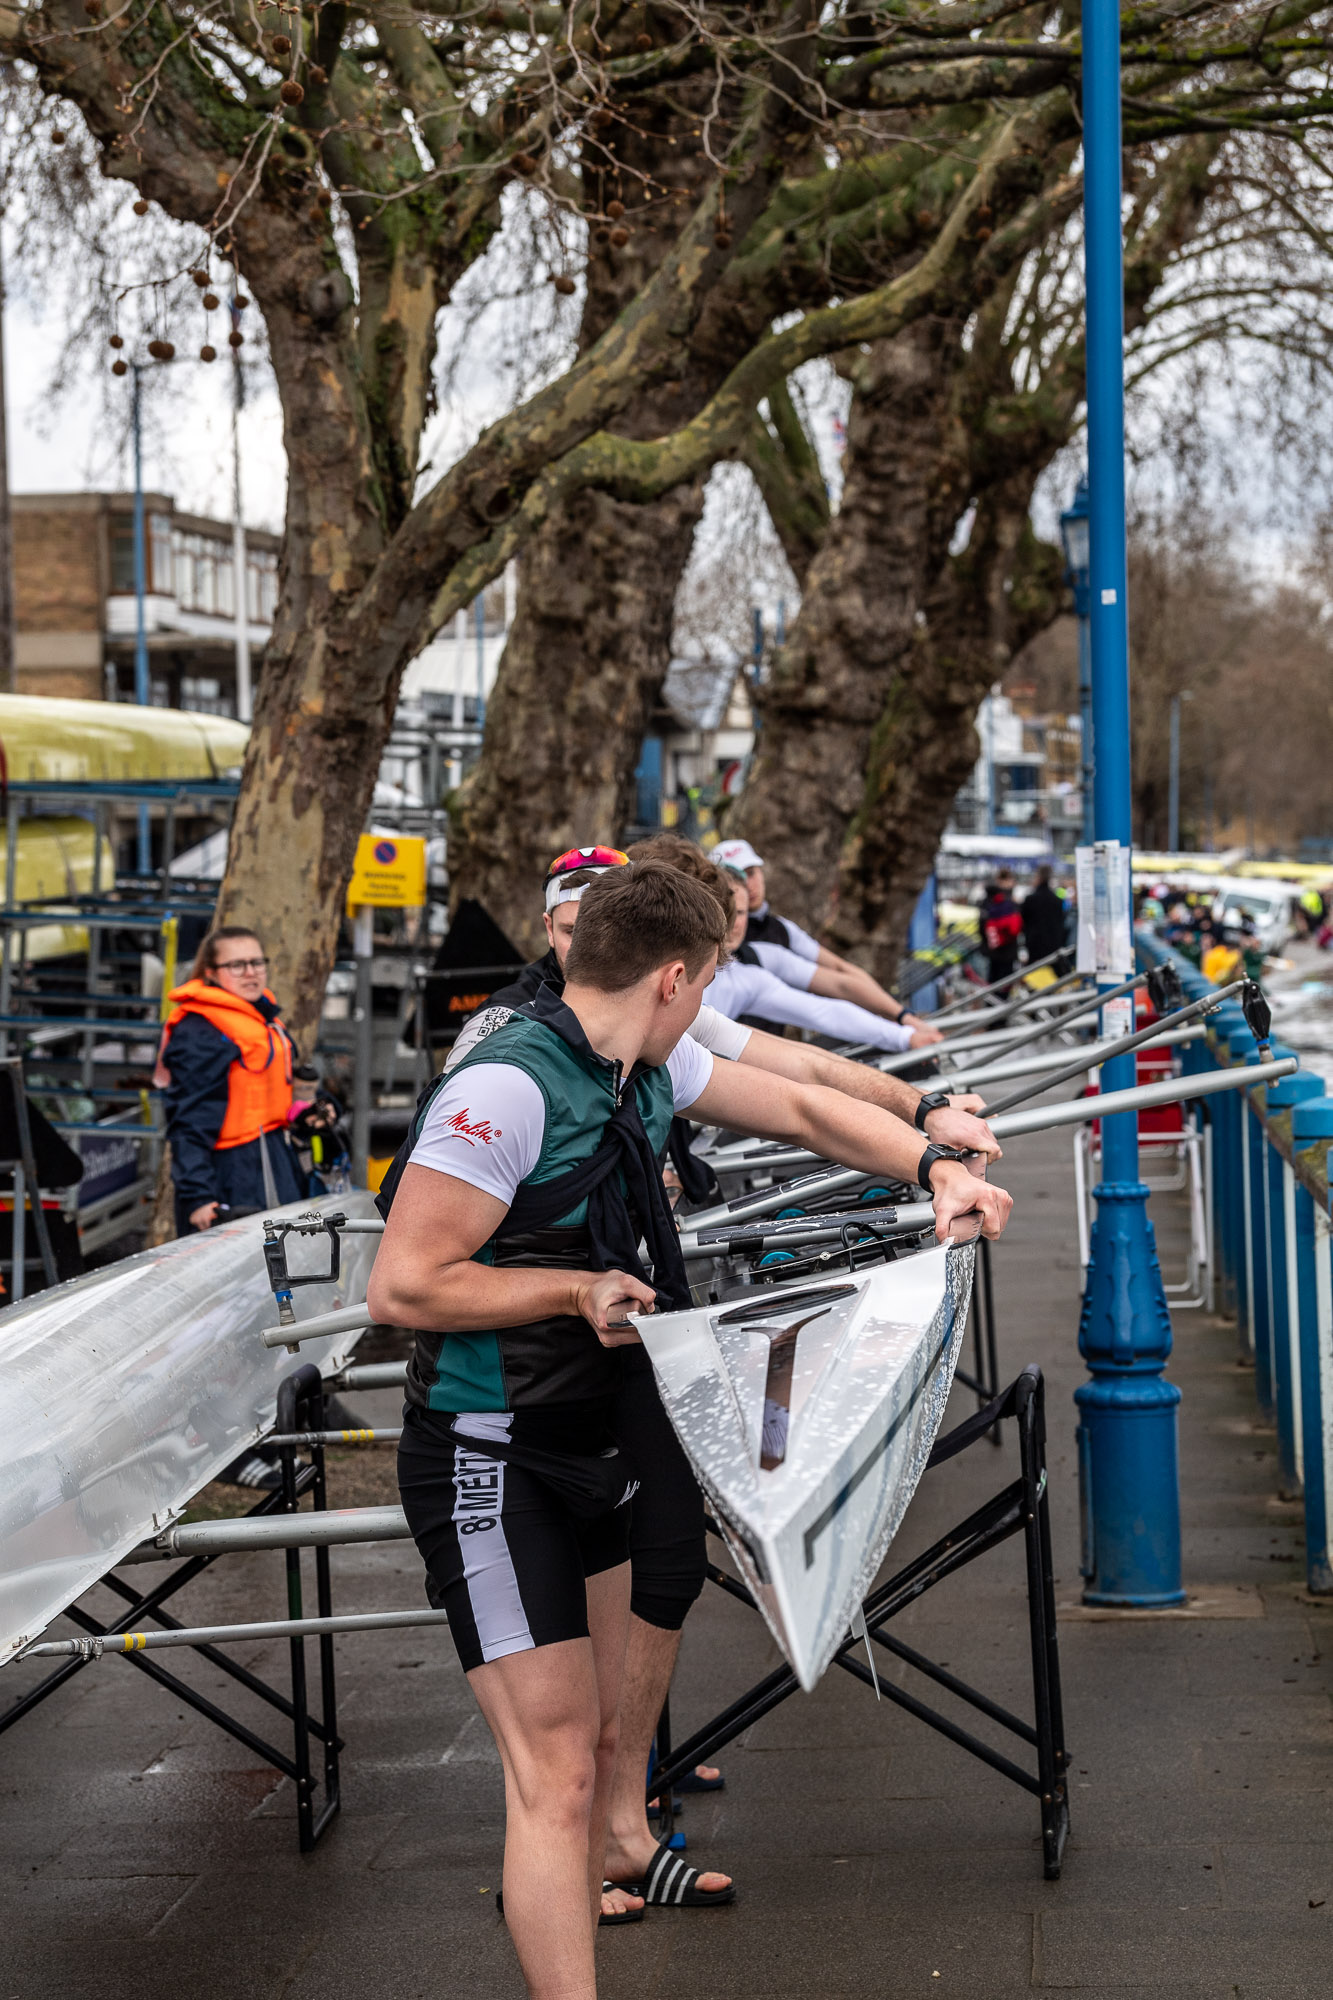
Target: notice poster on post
1105 905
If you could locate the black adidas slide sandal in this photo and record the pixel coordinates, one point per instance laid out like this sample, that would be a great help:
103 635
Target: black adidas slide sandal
670 1883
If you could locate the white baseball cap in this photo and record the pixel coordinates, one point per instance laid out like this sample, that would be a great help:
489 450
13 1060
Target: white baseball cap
735 854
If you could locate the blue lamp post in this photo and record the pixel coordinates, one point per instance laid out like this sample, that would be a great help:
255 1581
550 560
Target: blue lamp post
142 687
1075 535
1127 1432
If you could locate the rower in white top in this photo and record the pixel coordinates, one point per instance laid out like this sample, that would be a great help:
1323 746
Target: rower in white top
835 977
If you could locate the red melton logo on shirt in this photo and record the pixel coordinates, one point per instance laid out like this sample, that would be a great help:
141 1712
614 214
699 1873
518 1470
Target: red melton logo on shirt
469 1134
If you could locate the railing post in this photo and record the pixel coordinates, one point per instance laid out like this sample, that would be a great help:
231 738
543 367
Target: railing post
1261 1295
1285 1096
1311 1131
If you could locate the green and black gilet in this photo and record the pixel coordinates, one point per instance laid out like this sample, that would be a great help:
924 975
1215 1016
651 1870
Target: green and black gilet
557 1360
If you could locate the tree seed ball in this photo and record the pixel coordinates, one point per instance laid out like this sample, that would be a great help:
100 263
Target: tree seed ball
619 238
207 353
722 238
282 45
524 163
116 341
615 209
235 339
120 368
318 73
57 138
564 285
201 279
643 41
291 92
241 302
92 8
141 206
210 302
161 350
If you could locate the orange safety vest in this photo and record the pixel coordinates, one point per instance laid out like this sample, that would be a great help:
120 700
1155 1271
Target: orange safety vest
259 1085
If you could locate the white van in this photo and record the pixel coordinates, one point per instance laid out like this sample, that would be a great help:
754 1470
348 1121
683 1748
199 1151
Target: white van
1269 900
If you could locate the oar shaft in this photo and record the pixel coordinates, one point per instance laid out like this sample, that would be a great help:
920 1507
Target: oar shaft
213 1635
1143 1097
979 992
1122 1045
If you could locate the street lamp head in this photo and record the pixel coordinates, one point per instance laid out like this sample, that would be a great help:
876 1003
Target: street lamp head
1075 536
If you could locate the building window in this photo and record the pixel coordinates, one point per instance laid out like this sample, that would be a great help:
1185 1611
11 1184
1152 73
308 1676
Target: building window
205 577
159 580
203 695
262 585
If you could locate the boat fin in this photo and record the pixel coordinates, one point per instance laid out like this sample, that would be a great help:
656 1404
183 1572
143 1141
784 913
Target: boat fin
859 1630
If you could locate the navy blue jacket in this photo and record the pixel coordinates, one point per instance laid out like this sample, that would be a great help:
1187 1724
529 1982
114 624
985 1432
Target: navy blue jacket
199 1058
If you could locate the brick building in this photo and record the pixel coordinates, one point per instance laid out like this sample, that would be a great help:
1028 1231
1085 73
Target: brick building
75 606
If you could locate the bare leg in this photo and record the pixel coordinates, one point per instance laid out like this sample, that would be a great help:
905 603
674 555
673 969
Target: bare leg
649 1660
608 1622
545 1714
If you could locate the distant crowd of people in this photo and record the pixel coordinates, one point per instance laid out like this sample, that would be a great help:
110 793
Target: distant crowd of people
1040 922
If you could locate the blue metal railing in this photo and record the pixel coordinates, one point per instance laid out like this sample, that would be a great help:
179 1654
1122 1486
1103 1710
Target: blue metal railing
1273 1227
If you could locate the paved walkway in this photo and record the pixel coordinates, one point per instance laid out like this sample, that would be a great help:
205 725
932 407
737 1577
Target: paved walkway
146 1855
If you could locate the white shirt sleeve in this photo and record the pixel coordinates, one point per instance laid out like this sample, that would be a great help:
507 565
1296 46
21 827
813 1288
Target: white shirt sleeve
749 989
484 1022
721 1037
801 941
786 965
485 1127
690 1068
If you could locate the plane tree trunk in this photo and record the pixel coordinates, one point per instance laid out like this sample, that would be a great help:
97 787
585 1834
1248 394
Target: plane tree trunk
588 651
983 608
863 590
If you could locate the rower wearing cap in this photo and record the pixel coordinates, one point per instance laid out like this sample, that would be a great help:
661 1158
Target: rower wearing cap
768 934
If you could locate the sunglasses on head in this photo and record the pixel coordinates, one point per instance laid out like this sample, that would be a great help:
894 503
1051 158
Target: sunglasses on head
586 857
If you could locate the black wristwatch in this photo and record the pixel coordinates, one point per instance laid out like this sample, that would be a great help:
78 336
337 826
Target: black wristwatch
930 1159
933 1100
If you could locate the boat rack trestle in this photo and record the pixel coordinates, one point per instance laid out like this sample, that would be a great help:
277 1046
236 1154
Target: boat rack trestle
1021 1507
143 1625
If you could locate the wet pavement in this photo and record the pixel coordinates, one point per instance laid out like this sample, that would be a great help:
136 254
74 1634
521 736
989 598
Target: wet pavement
147 1855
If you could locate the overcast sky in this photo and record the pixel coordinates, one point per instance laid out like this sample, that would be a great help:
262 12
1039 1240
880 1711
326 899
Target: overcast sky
76 446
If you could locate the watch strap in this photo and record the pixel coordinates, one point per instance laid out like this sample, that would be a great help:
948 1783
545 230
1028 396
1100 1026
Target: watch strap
932 1100
930 1160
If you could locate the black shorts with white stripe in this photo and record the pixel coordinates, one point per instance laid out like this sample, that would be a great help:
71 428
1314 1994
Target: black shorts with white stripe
506 1557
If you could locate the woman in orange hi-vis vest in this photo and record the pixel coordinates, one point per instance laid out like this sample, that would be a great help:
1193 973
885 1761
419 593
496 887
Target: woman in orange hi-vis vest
229 1098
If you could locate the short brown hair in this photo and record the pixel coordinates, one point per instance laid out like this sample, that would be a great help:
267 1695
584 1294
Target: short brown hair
672 850
206 958
631 920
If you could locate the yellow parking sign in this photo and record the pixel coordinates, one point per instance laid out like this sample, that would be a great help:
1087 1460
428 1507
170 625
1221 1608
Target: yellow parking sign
390 873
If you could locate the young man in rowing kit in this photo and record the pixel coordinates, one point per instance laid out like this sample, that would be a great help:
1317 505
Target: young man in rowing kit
667 1541
766 928
511 1473
765 985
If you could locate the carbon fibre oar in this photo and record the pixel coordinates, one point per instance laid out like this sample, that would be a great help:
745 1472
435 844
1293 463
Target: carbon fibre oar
1015 1006
1040 1118
889 1064
969 999
1121 1045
